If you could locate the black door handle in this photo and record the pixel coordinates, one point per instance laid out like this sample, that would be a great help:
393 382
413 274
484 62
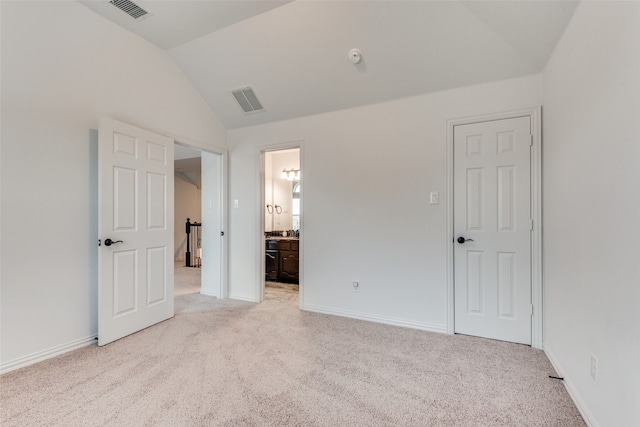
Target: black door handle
461 240
109 242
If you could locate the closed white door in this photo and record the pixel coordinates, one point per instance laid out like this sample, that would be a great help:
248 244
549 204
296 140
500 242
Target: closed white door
492 229
135 229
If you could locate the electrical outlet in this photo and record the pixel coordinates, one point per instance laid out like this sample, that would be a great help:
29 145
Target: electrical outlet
594 367
356 286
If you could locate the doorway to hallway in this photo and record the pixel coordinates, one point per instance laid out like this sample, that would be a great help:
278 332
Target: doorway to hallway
199 204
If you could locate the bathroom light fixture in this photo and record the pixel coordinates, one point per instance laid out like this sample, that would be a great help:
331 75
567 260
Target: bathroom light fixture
290 174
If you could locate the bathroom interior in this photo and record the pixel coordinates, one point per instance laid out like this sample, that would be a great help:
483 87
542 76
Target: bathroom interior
282 218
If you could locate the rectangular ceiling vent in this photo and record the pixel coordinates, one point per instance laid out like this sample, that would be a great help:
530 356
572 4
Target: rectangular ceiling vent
130 8
247 99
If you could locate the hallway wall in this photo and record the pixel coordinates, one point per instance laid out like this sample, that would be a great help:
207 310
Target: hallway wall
188 204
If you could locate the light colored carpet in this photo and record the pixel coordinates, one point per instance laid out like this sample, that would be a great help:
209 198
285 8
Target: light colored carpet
187 279
230 363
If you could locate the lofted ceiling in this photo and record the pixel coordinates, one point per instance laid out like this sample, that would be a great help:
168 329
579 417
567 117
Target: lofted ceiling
294 54
181 152
170 23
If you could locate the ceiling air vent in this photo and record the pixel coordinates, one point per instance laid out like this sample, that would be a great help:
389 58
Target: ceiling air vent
130 8
248 100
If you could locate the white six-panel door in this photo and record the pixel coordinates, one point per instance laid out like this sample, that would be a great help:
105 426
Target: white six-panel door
136 213
492 213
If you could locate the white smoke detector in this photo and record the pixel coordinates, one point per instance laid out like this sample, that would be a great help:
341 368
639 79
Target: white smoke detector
355 56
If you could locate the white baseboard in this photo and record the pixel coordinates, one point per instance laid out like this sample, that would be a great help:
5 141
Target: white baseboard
209 294
46 354
573 393
249 298
394 321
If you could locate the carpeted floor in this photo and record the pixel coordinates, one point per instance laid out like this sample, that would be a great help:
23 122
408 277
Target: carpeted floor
187 279
231 363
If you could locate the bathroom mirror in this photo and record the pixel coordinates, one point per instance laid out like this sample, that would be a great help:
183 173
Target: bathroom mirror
281 195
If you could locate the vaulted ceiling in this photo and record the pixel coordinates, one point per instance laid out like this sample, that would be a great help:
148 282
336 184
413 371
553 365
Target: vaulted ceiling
294 54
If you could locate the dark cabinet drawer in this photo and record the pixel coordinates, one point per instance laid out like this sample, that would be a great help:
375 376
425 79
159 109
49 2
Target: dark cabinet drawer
284 245
271 265
282 261
288 266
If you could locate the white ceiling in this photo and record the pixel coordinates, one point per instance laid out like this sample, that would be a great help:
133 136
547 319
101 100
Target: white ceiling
295 55
181 152
173 22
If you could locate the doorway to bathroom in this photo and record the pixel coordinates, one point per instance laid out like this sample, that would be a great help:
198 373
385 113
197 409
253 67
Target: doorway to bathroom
281 225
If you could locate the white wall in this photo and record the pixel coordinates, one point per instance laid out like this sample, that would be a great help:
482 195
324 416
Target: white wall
62 68
367 174
187 204
592 210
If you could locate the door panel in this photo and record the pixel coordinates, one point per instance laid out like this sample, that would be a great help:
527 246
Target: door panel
124 198
125 282
492 211
156 275
506 284
506 198
136 213
156 201
474 199
475 294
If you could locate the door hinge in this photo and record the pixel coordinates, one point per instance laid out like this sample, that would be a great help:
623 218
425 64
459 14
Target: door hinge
531 140
530 309
530 225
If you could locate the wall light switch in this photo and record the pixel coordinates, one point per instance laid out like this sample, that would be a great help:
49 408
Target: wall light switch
433 197
235 203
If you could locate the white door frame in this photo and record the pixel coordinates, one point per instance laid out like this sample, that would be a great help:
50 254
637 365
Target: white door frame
534 115
224 165
261 203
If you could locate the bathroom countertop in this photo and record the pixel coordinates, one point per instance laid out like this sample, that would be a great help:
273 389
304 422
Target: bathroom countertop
281 238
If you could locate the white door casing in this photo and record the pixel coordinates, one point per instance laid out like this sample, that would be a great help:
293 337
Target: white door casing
492 206
260 280
135 288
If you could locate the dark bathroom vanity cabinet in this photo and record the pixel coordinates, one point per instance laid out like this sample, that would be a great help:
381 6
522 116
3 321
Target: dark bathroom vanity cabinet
282 261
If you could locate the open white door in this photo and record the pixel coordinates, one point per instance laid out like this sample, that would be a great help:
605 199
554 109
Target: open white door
135 228
492 226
